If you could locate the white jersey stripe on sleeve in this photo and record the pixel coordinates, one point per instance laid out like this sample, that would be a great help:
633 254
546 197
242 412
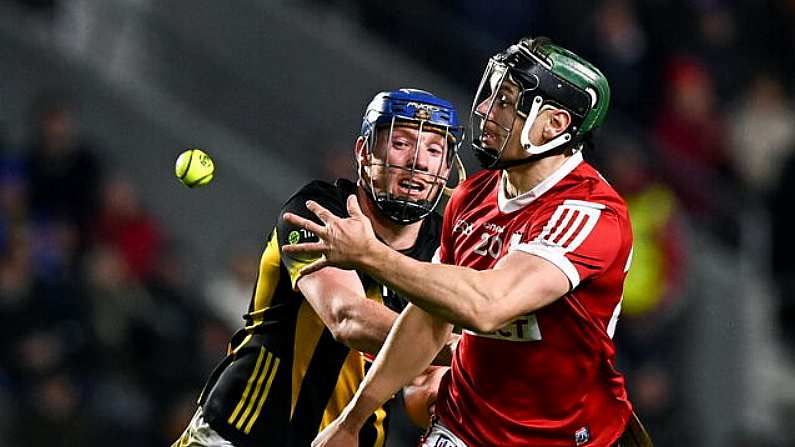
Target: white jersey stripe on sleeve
572 228
593 217
553 254
551 223
595 205
579 220
563 224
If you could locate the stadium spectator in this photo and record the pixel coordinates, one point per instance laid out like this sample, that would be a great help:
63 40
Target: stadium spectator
63 171
123 315
762 133
716 44
691 137
228 291
621 48
125 224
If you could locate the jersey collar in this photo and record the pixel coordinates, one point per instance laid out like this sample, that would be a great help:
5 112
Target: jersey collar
516 203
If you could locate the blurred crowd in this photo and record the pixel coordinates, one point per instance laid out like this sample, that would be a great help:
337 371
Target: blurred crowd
106 339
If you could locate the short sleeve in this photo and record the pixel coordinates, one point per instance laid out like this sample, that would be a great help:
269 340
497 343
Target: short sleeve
581 238
289 234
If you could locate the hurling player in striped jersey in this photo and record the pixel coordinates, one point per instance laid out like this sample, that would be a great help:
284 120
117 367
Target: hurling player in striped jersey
534 251
306 338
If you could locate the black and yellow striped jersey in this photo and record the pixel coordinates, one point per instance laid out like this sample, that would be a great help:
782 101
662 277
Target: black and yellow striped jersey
285 377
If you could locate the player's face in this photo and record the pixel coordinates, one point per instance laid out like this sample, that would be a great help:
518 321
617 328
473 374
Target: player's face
409 164
499 123
498 110
496 122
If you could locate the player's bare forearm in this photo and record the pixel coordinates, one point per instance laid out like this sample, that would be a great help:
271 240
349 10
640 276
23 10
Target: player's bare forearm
480 300
366 327
338 298
412 344
452 293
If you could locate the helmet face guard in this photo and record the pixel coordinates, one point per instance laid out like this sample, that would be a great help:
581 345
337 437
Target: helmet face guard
520 83
411 139
494 112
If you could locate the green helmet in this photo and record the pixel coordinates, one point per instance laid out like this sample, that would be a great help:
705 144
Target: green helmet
583 75
528 76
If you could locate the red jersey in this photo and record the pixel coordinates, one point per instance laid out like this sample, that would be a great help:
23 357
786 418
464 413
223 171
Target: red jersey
548 378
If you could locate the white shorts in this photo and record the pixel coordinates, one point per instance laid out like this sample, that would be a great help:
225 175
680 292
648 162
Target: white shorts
439 436
200 434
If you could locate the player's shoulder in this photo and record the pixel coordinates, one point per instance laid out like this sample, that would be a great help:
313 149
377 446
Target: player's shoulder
587 187
331 196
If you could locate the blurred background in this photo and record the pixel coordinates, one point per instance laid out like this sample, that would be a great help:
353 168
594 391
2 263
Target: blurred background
119 286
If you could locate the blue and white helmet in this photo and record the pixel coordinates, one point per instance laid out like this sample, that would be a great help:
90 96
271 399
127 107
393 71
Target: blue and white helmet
405 182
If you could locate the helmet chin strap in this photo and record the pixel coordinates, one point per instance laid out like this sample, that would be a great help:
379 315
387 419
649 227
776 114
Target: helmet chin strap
524 137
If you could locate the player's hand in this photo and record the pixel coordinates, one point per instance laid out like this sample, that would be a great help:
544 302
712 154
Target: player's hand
343 242
336 435
419 396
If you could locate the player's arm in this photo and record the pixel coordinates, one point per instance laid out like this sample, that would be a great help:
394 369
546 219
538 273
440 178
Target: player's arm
483 301
339 299
411 345
419 396
337 296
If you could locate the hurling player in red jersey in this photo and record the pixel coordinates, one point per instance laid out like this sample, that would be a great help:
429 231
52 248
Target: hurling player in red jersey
533 256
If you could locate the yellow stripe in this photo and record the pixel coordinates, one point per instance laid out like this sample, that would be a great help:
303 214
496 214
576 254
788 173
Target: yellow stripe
231 419
255 315
250 405
268 277
380 435
242 343
264 396
251 327
374 292
308 328
350 377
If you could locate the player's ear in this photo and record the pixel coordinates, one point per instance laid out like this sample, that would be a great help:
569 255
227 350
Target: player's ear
360 151
558 121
